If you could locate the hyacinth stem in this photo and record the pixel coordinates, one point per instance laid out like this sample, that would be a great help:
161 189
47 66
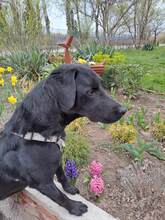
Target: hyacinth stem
72 182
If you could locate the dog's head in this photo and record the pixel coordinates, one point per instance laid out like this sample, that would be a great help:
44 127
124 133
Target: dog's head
79 90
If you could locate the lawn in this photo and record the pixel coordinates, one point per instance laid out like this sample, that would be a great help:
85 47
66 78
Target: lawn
154 66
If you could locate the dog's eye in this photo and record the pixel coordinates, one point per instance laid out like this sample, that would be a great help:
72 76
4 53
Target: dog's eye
91 91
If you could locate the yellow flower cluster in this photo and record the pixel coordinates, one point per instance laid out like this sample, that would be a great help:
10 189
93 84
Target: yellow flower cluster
13 80
123 133
12 99
158 131
77 125
8 69
2 70
81 61
2 82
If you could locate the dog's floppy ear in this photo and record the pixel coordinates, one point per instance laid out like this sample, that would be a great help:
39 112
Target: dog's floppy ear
65 85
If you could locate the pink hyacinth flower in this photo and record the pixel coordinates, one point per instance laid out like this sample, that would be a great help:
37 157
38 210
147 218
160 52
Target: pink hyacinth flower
97 185
95 168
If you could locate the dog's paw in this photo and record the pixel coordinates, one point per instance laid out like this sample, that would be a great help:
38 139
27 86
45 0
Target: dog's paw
78 208
71 189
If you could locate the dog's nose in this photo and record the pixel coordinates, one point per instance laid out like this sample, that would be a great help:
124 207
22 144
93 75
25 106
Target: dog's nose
122 110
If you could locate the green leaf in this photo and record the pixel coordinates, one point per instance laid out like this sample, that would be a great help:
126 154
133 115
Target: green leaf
155 151
86 179
133 151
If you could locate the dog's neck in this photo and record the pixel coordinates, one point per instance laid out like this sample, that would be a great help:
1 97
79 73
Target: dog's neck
54 126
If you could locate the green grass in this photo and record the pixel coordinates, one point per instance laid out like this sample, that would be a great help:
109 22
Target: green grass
154 66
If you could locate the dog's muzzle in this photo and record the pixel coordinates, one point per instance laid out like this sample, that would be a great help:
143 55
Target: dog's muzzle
33 136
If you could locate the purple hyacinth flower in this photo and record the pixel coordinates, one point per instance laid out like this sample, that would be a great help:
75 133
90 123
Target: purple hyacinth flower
71 169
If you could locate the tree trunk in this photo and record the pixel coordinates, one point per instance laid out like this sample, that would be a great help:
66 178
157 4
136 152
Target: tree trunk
155 37
69 17
97 23
47 20
78 19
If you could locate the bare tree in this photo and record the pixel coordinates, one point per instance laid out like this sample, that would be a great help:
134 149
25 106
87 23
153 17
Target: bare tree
106 16
138 19
157 24
112 17
46 17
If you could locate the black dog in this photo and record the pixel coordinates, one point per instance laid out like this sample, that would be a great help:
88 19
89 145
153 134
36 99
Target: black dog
69 92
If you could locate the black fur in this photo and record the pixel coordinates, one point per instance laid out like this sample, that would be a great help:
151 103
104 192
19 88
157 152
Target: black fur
69 92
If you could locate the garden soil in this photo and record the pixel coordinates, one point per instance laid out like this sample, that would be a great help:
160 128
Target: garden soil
133 190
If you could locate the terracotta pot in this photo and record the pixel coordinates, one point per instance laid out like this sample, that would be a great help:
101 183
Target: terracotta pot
98 68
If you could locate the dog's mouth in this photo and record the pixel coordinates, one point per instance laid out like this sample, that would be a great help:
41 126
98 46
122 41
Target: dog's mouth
107 120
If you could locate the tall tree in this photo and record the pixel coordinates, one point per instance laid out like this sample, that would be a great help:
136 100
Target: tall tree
46 17
157 24
106 16
32 18
139 19
69 16
21 23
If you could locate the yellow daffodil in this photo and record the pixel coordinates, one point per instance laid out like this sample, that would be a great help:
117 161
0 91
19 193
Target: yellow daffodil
2 70
1 82
82 61
13 80
9 69
12 99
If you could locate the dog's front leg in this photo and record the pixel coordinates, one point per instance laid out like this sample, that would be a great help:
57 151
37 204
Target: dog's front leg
64 182
74 207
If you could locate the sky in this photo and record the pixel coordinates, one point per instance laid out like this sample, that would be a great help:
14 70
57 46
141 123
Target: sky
58 20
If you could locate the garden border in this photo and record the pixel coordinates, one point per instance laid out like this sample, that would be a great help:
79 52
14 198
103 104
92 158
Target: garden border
38 206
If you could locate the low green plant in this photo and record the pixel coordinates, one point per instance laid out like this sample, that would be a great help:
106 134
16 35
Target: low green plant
123 133
136 152
122 121
154 151
138 149
131 119
100 57
2 107
125 76
77 149
148 47
77 125
116 58
157 118
127 104
27 63
153 63
48 69
140 118
88 50
113 92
